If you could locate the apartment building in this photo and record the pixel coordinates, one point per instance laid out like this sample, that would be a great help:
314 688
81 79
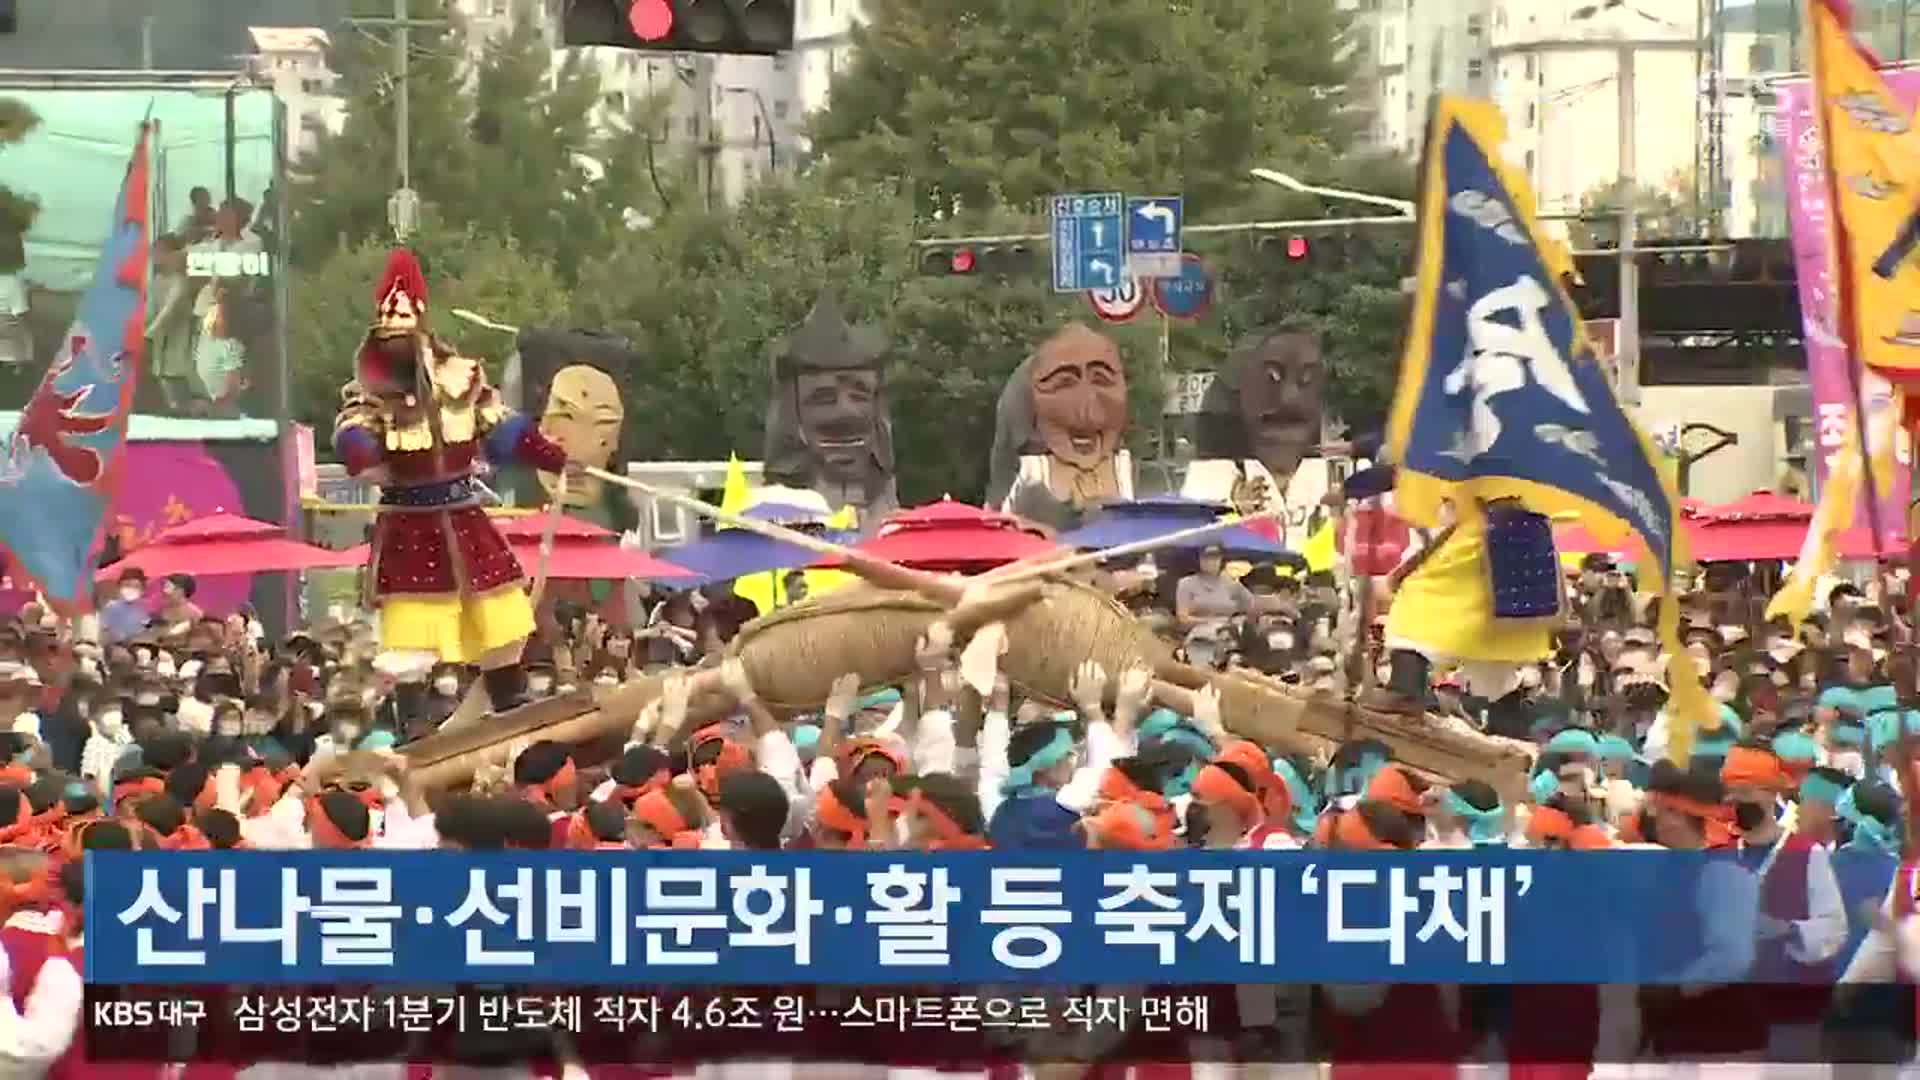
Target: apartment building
293 60
1407 51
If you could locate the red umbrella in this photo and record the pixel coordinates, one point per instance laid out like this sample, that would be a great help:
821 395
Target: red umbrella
218 526
578 560
949 535
1740 540
533 526
1760 506
225 544
573 560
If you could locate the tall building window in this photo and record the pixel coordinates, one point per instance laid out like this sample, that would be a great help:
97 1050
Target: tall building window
1475 69
1533 114
779 61
1476 25
780 109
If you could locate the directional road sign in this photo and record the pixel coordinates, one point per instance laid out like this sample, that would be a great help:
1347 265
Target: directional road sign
1120 303
1188 296
1089 242
1153 235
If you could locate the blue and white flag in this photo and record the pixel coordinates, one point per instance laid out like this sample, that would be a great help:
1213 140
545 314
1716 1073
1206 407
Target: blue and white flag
1500 393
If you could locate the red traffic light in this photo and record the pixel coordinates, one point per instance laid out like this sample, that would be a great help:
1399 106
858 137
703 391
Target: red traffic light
963 261
1296 247
652 20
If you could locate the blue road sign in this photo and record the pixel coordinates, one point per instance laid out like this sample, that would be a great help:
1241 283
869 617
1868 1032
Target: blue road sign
1187 296
1089 242
1153 225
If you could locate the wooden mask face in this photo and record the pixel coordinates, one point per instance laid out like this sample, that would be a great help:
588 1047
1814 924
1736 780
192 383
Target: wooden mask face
1079 397
1282 388
838 413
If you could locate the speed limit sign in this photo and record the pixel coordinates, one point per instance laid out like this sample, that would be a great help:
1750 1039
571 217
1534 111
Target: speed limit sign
1120 303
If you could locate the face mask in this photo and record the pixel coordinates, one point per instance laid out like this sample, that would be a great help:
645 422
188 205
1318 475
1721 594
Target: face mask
164 667
447 685
1850 762
191 669
1280 641
1530 678
144 659
540 684
146 699
606 680
345 735
110 723
1725 692
316 709
1748 816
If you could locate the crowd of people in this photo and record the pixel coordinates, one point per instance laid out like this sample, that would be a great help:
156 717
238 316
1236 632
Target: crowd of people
150 724
206 306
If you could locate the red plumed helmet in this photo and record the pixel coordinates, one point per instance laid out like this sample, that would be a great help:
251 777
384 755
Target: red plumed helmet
400 303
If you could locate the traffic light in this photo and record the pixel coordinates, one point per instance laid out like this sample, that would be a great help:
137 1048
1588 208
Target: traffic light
1279 251
1011 259
745 27
1362 250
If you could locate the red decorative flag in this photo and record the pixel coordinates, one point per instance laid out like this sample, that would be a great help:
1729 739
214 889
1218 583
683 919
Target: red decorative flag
63 462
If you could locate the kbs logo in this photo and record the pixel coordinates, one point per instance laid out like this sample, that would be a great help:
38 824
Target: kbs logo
124 1014
161 1012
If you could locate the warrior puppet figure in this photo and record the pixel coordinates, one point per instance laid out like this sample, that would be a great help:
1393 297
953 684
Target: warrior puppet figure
415 418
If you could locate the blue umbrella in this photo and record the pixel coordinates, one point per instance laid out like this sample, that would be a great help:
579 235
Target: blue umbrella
733 553
1120 523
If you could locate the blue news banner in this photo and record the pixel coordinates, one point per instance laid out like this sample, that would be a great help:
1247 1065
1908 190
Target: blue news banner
684 919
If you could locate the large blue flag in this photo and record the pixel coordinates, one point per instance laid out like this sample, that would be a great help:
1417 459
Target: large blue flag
63 462
1501 395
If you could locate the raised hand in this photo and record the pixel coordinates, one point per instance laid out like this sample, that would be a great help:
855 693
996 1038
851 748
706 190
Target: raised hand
840 699
1089 687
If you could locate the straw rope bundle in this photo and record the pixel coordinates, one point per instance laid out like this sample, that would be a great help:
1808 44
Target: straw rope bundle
793 655
1053 624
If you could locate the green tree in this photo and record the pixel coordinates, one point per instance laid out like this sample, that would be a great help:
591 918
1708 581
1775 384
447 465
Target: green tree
506 145
340 199
731 283
975 103
1664 212
17 211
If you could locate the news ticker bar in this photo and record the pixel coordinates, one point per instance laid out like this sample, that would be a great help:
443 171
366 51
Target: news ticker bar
1247 1023
436 918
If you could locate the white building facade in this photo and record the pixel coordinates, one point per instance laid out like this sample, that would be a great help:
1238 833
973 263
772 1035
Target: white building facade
293 60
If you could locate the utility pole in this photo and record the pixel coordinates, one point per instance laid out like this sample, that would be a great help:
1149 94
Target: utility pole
710 150
1628 358
403 207
403 97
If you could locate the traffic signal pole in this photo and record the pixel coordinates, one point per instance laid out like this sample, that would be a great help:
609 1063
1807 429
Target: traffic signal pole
1234 227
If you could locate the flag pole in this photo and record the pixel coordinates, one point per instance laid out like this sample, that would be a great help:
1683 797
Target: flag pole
1840 267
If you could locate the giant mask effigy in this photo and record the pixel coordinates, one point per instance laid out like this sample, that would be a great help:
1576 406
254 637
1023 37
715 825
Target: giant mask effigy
570 380
1259 420
828 428
1057 444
